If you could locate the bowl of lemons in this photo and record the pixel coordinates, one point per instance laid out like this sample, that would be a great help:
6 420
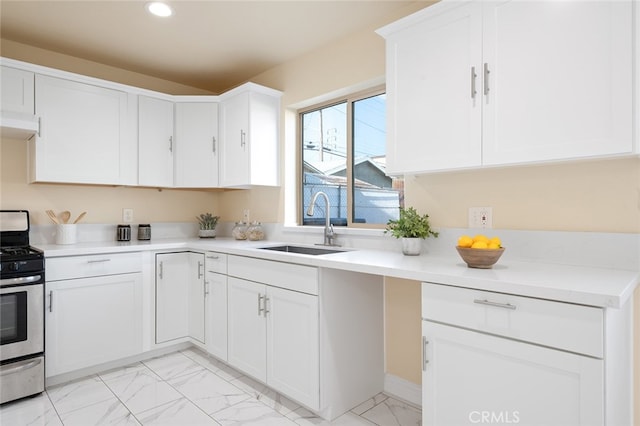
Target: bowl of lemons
480 251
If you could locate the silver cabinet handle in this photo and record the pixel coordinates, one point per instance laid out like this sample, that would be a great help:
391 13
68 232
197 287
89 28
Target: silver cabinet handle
206 288
200 269
266 308
39 132
242 138
473 82
170 143
213 257
214 144
495 304
486 79
98 260
50 300
425 342
260 308
161 268
21 366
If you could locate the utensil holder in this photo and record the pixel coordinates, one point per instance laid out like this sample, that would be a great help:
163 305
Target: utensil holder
66 233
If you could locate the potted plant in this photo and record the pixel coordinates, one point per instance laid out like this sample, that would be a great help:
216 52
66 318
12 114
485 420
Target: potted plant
208 224
412 228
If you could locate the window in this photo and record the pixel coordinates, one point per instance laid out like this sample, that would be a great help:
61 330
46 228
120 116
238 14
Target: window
343 147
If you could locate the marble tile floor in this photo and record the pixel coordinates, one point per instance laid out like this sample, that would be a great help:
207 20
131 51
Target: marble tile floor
185 388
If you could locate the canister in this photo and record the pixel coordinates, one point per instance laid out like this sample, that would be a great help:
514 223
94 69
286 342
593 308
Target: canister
123 233
144 231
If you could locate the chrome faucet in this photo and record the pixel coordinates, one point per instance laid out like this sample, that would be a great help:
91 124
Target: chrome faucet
329 235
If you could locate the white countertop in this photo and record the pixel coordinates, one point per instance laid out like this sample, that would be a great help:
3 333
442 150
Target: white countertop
603 287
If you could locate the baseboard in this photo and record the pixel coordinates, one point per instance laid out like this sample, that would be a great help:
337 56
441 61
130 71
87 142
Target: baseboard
403 389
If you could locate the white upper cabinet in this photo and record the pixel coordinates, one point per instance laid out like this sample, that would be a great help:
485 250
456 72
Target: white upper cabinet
197 146
155 142
560 80
84 134
249 122
17 106
433 121
16 90
491 83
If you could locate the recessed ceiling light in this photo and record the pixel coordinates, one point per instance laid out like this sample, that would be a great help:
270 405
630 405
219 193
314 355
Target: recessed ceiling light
159 9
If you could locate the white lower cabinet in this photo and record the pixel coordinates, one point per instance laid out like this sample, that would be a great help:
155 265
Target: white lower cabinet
273 336
292 344
179 296
216 304
315 335
496 358
92 317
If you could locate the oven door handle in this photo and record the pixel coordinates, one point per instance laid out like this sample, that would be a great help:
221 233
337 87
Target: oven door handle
21 367
20 280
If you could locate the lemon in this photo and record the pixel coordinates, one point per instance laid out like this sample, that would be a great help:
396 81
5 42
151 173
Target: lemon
496 241
493 245
479 245
465 241
480 237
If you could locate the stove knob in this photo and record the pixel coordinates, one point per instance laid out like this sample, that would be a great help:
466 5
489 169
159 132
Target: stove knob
14 266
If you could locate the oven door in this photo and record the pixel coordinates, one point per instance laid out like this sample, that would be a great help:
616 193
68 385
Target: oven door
21 317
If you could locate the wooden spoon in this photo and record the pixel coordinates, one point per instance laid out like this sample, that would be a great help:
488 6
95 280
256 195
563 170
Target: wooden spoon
53 217
65 216
80 217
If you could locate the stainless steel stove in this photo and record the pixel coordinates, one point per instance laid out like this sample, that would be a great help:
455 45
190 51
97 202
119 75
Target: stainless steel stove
21 309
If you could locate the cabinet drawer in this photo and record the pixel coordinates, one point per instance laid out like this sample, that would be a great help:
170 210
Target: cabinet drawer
216 262
62 268
566 326
285 275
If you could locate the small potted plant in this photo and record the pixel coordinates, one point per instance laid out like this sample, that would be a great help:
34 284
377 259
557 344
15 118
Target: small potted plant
412 228
208 224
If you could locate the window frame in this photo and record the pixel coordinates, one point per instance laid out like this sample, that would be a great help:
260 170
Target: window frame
349 99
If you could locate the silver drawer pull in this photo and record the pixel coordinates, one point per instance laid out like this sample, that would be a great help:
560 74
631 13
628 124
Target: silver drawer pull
213 257
495 304
99 261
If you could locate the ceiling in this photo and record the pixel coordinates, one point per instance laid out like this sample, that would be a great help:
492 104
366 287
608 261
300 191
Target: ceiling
212 45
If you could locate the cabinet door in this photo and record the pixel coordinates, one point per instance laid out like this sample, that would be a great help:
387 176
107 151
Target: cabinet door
293 345
172 296
82 133
216 315
196 145
470 376
155 142
91 321
197 290
560 81
247 327
17 93
433 116
234 127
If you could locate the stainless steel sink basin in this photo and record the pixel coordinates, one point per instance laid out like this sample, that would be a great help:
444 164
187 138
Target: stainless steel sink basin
314 251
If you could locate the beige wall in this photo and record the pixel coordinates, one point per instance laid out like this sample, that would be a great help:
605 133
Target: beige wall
589 196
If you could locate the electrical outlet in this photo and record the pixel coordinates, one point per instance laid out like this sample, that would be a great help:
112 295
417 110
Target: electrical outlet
127 215
245 215
480 217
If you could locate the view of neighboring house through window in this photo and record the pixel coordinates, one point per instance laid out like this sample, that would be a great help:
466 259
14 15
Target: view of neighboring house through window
343 155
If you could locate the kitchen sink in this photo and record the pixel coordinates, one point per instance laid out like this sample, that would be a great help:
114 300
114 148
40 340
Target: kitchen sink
314 251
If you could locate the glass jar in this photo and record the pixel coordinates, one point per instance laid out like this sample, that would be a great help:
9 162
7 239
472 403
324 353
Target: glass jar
239 231
255 232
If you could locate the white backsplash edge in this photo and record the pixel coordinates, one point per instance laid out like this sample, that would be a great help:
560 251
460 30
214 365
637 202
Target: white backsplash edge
598 249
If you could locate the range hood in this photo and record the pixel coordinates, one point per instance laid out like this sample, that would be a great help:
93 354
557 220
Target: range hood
18 125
